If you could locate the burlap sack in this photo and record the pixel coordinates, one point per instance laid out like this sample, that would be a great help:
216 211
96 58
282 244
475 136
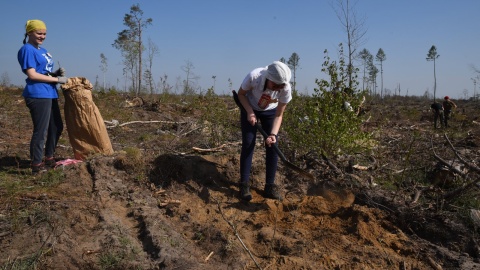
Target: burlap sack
85 126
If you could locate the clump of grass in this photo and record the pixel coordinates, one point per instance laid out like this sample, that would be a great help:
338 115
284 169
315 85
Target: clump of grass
229 245
10 185
145 137
51 178
130 160
15 183
110 260
29 262
120 252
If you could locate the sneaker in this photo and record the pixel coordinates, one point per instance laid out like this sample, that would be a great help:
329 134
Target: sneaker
38 169
271 192
245 192
50 162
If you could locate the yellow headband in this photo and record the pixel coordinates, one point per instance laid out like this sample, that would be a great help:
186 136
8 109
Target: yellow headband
35 25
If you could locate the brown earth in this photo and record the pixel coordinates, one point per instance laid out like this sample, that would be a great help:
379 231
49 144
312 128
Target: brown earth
160 203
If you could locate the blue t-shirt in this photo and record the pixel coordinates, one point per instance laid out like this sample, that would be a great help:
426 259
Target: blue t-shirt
39 59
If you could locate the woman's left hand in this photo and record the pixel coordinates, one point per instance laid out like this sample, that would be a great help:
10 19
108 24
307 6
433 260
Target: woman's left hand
271 139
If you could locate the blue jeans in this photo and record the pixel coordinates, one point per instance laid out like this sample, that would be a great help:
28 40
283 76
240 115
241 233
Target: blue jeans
249 134
47 125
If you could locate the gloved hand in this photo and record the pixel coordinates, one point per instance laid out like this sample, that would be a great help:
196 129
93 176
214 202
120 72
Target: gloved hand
62 80
59 72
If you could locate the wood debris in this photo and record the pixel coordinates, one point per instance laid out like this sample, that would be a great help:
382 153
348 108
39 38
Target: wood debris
168 202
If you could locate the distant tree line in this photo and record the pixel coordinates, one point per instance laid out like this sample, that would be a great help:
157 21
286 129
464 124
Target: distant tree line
140 78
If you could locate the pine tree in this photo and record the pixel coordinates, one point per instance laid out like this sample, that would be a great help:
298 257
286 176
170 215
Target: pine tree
129 42
433 56
380 57
293 63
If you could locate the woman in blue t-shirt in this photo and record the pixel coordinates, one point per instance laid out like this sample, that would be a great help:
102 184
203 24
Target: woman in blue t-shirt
41 95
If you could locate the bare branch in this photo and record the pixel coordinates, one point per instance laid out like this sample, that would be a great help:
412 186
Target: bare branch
457 191
237 235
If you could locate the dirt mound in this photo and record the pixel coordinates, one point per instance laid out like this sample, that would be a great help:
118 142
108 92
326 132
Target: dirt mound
192 211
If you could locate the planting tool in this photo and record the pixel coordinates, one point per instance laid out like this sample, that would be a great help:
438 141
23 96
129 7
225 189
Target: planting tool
275 146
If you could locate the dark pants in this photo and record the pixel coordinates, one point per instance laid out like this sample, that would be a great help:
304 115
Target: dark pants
436 116
47 125
249 134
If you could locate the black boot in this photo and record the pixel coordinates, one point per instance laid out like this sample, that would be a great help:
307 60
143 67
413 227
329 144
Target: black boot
271 191
245 192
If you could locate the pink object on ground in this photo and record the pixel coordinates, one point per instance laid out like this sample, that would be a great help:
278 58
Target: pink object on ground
67 161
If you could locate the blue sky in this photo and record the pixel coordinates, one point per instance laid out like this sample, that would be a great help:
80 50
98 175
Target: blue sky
227 39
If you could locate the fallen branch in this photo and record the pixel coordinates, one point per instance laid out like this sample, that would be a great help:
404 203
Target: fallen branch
454 193
469 165
360 167
419 192
160 191
433 264
116 123
215 149
367 168
208 257
168 202
331 165
188 132
408 169
53 201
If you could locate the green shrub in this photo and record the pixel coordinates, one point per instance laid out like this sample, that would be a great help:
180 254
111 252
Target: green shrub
321 123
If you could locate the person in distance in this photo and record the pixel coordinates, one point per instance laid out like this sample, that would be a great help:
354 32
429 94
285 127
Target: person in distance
448 106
